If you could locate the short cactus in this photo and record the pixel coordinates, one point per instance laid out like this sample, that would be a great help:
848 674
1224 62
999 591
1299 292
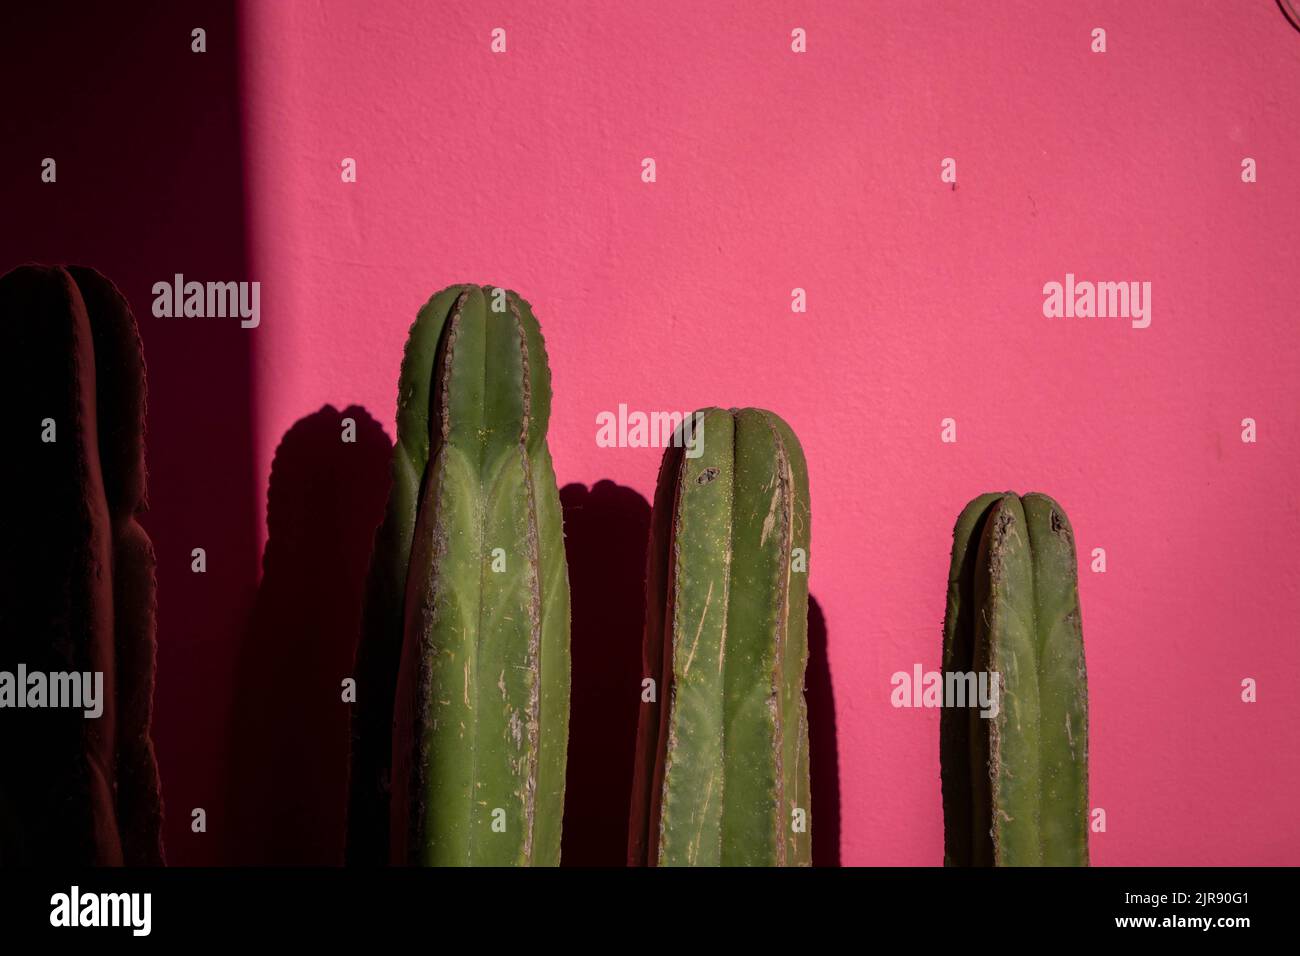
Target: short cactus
78 588
722 774
463 666
1015 784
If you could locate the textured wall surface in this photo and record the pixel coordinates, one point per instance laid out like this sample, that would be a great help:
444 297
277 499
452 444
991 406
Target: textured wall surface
822 171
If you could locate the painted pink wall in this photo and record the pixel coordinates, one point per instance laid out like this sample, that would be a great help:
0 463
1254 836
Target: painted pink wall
821 171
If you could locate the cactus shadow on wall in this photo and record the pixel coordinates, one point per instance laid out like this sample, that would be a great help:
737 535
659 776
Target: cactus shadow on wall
606 529
289 734
823 760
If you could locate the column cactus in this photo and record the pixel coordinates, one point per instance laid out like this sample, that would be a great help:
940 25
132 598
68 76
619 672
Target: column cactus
461 727
722 775
1015 784
77 593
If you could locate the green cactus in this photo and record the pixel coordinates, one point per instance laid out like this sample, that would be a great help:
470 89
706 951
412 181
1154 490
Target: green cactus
461 728
722 774
78 590
1015 784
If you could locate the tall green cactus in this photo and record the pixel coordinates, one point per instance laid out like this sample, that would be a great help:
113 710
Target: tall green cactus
463 666
1015 784
77 588
722 773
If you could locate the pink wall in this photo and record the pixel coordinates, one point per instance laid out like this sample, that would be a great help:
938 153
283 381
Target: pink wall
822 171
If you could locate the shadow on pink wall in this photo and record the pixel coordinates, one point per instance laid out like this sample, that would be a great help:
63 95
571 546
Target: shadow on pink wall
606 529
823 750
289 730
146 138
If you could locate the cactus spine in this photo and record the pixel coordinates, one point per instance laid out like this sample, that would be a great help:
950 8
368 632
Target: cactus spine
1015 785
463 668
77 588
722 774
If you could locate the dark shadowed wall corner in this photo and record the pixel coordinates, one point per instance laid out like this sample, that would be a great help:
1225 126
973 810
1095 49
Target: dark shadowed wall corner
146 138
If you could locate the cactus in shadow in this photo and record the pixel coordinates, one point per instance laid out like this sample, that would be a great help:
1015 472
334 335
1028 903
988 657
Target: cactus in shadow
1015 784
722 774
77 587
461 727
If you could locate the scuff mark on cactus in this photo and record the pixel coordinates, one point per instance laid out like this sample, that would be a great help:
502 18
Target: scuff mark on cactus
770 521
699 832
516 729
698 631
